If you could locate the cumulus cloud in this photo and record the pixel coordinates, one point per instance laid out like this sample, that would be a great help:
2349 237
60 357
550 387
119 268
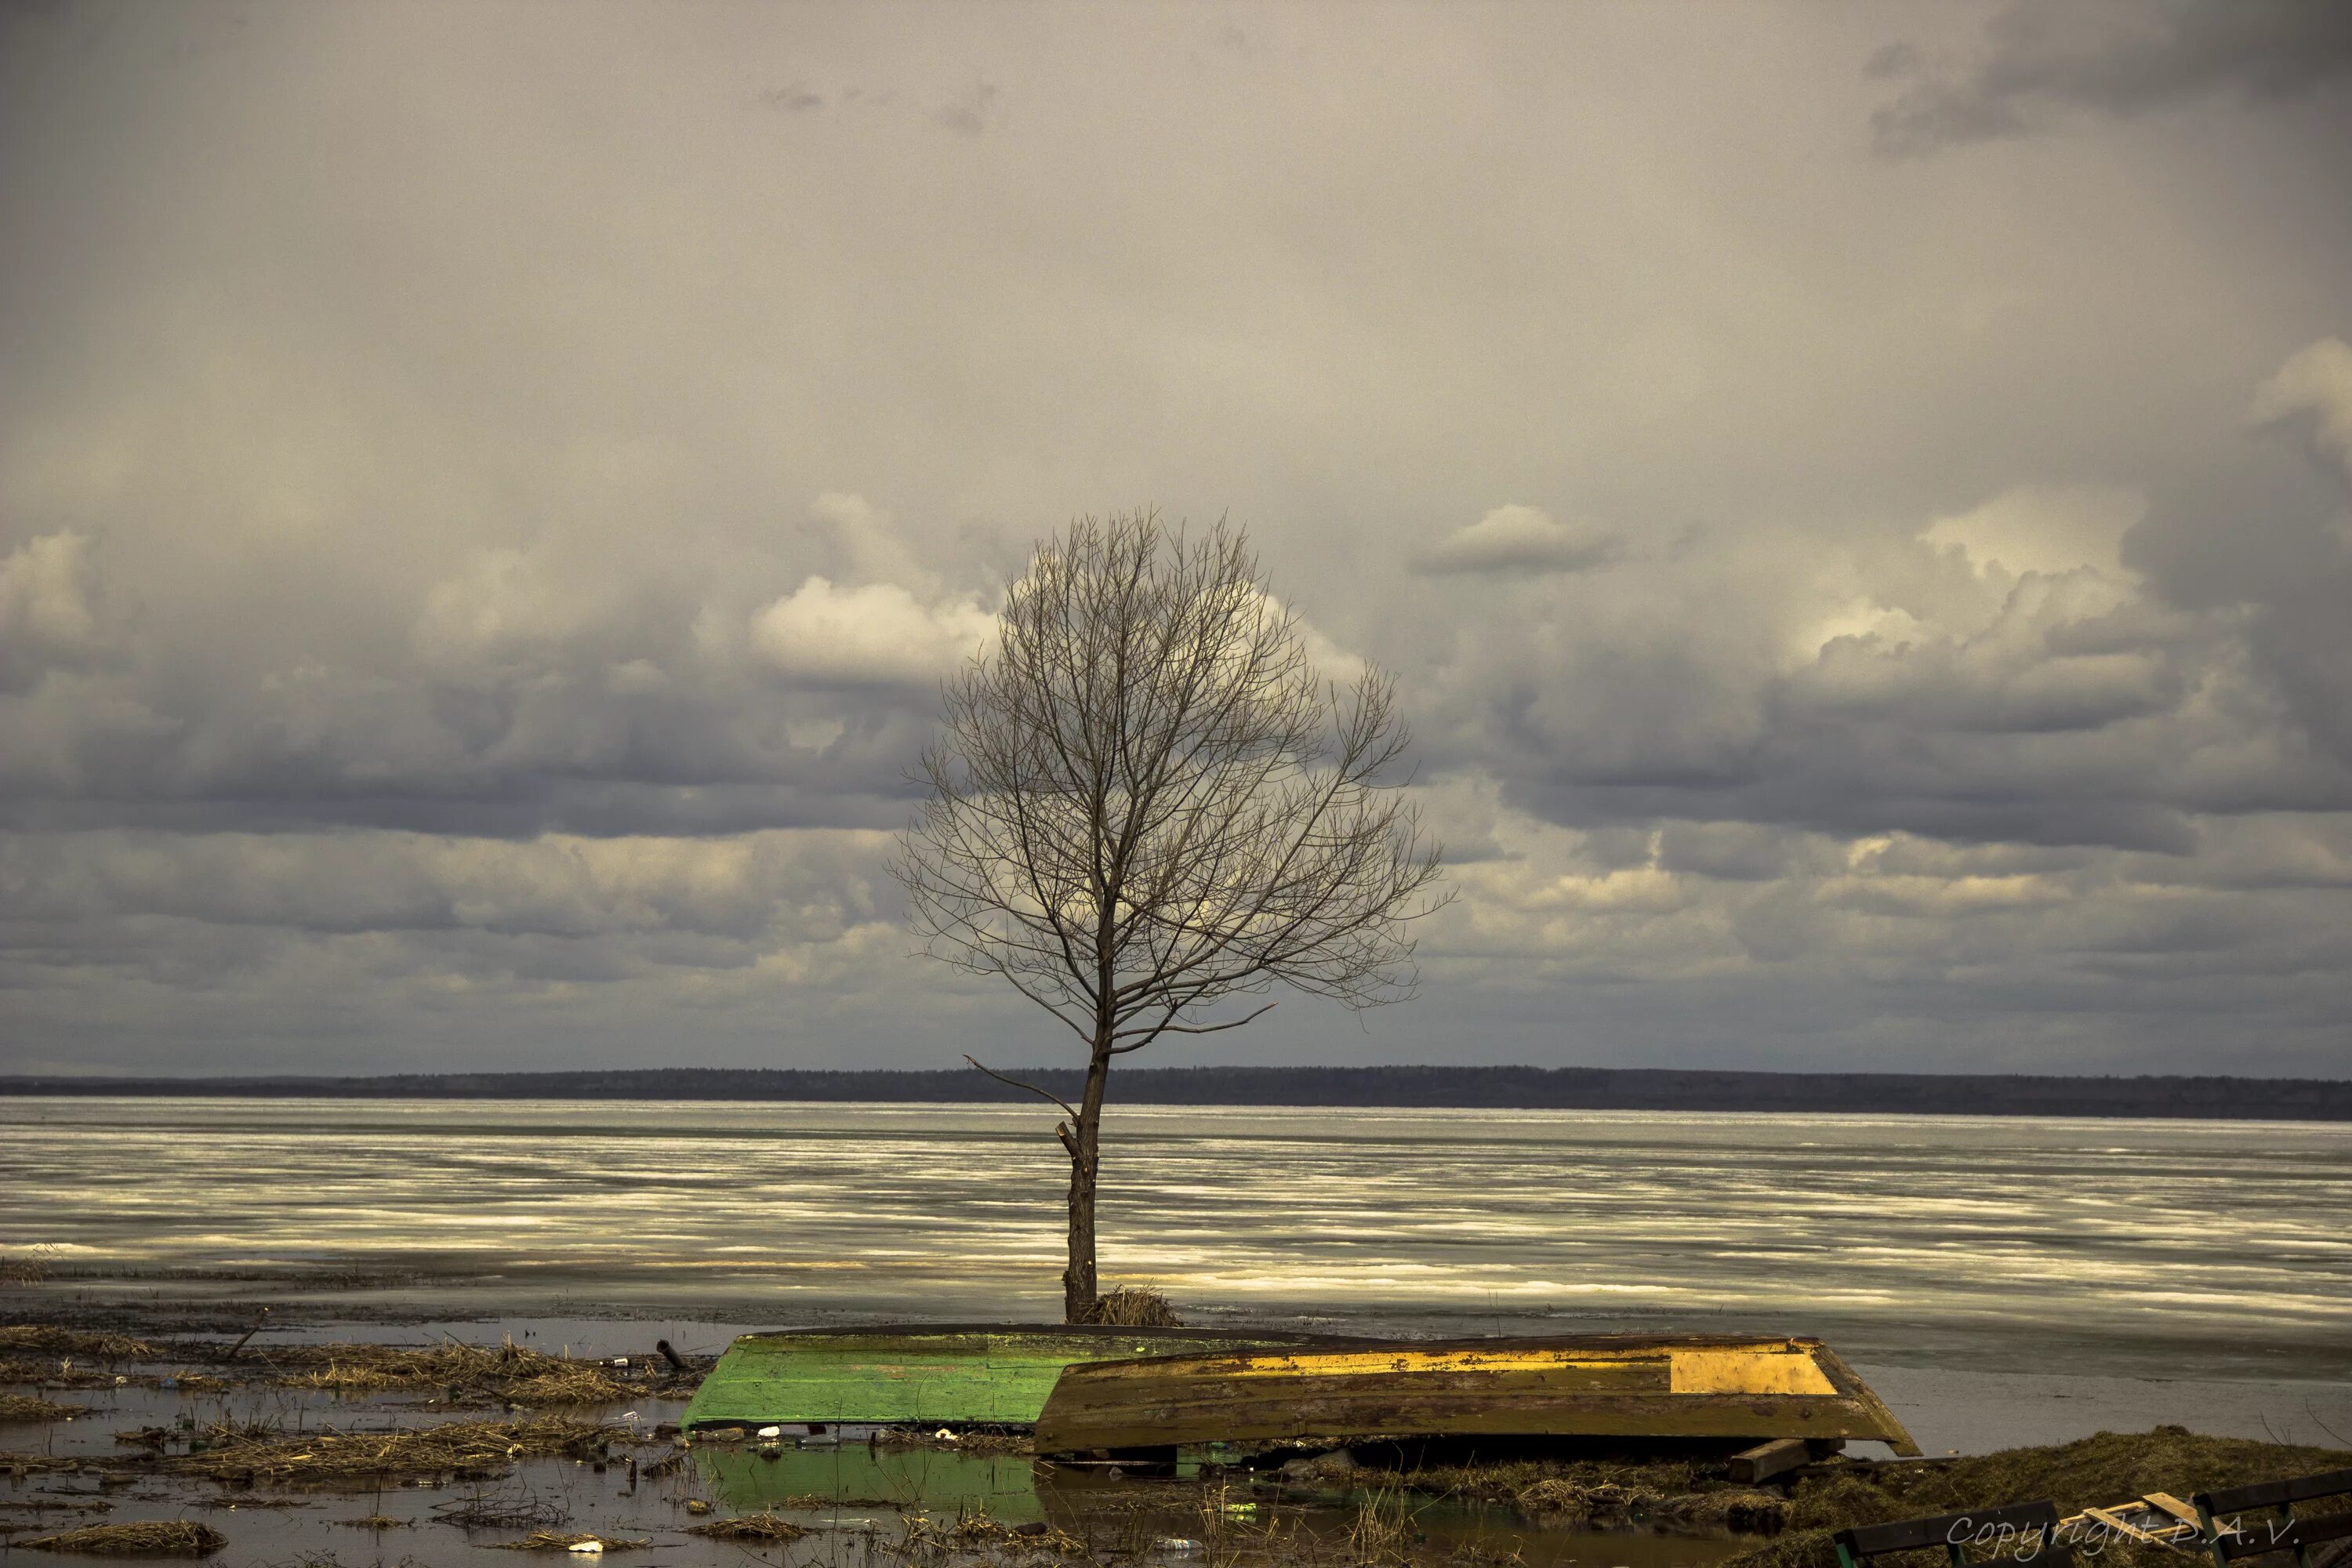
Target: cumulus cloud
1521 539
878 635
2314 387
46 614
2003 676
2044 529
2112 56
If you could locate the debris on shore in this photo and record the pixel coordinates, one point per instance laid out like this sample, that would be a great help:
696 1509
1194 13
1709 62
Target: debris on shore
145 1537
2088 1473
506 1373
474 1448
554 1541
48 1339
768 1525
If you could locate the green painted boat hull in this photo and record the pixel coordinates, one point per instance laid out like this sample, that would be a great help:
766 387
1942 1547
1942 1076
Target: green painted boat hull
958 1375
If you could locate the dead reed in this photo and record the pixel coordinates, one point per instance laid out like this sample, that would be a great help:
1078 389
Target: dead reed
768 1525
146 1538
458 1446
552 1541
18 1407
507 1371
49 1339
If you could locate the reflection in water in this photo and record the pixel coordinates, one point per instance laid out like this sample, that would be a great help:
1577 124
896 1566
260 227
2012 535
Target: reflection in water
867 1485
2126 1245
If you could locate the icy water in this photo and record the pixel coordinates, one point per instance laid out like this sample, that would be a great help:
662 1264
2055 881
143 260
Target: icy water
2000 1281
2000 1245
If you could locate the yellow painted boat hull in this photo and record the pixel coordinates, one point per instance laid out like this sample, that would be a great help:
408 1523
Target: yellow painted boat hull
1633 1386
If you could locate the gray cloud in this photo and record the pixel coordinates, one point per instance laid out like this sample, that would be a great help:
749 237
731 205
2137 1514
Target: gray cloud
1521 539
969 113
483 512
2040 62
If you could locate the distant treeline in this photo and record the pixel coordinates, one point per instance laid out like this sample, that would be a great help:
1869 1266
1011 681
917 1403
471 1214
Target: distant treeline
1488 1087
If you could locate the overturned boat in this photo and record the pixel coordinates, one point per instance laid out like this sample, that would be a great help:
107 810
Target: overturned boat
813 1382
1614 1385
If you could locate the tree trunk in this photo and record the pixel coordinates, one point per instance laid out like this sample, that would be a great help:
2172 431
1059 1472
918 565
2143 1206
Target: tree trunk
1085 1146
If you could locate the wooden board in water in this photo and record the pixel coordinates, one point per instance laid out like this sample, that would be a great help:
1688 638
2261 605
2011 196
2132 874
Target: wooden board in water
1600 1386
947 1375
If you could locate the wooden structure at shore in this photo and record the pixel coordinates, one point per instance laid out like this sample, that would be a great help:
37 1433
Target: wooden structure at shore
1630 1386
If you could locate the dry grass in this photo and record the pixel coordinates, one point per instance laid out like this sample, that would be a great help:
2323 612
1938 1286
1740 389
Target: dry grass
49 1339
1589 1488
478 1513
765 1526
552 1540
2097 1470
507 1373
149 1538
17 1407
974 1531
480 1447
1133 1307
1383 1531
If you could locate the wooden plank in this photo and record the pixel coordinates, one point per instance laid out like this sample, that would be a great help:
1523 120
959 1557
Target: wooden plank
2255 1537
1068 1424
2275 1494
1849 1384
1978 1526
1765 1460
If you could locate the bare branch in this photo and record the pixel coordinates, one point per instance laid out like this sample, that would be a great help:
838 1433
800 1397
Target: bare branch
1147 800
1016 1083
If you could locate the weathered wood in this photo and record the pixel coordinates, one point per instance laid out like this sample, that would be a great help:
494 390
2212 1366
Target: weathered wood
958 1375
1765 1460
2276 1494
1998 1529
2297 1535
2233 1536
1626 1385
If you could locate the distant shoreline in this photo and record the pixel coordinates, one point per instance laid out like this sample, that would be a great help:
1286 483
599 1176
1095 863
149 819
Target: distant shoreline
1454 1088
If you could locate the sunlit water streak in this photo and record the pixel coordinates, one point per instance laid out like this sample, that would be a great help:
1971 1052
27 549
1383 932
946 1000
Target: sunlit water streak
1999 1241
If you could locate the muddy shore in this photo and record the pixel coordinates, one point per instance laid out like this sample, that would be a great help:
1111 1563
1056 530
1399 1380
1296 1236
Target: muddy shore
395 1443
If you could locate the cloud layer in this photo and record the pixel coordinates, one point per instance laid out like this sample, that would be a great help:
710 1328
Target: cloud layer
484 509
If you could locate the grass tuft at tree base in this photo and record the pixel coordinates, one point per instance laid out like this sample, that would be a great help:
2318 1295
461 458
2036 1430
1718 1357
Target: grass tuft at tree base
1133 1307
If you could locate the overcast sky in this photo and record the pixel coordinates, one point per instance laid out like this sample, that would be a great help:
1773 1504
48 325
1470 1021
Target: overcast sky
1858 500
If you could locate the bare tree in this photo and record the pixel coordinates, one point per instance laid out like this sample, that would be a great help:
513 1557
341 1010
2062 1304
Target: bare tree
1146 801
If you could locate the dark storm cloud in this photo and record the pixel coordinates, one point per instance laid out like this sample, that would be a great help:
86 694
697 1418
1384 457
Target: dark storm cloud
2040 62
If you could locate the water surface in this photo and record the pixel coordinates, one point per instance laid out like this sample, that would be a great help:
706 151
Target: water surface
2023 1245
